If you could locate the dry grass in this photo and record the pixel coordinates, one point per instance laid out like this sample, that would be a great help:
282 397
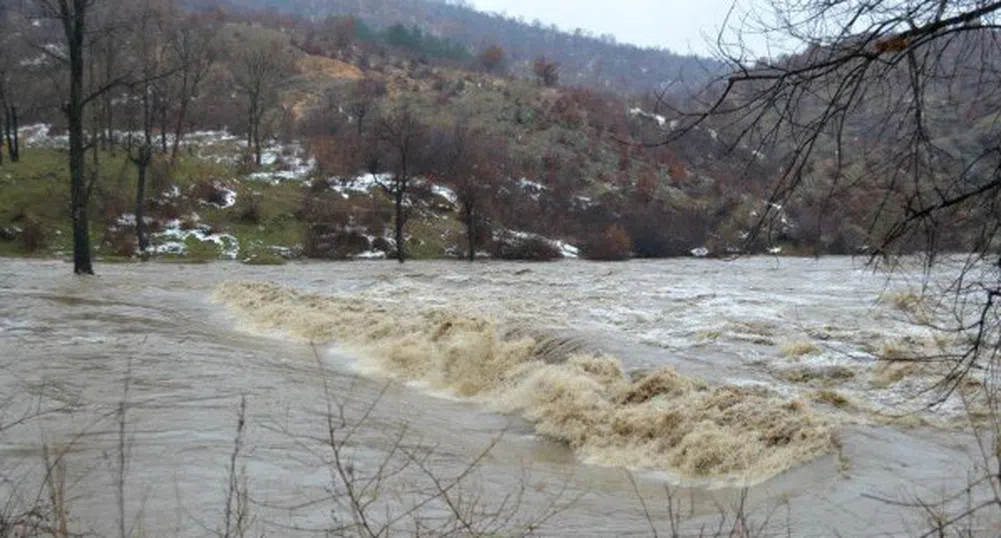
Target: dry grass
832 398
801 349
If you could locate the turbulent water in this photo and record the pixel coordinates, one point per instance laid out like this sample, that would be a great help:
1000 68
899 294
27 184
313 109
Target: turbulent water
551 378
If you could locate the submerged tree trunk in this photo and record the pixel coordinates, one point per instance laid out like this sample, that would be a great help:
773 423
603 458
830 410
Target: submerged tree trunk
142 162
470 214
73 24
398 224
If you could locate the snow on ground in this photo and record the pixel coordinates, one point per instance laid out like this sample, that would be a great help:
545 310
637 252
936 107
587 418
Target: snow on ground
531 185
566 249
229 197
371 255
362 184
700 252
174 240
661 120
446 193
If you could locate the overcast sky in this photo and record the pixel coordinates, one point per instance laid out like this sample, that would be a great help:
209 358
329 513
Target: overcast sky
684 26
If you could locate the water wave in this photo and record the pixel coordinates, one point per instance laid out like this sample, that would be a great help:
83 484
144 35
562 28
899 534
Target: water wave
656 419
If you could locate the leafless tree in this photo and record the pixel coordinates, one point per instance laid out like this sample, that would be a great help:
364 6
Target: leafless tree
150 19
402 139
895 103
472 162
192 48
261 64
8 106
362 100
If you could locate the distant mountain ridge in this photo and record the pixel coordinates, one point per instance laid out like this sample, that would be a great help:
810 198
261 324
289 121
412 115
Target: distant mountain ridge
585 59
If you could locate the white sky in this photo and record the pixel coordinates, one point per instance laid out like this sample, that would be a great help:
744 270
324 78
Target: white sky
683 26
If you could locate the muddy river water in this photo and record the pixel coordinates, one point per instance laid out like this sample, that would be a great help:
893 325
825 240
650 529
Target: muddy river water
531 387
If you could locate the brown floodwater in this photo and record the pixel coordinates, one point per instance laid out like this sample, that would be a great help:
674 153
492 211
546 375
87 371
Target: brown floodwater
554 379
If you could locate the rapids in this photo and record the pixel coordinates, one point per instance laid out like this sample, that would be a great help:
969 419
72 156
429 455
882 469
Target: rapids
699 374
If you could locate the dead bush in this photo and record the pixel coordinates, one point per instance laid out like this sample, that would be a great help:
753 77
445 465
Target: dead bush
209 191
248 209
332 242
533 248
120 241
34 237
613 245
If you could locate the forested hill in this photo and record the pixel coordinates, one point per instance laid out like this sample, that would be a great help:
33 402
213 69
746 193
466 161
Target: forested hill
585 59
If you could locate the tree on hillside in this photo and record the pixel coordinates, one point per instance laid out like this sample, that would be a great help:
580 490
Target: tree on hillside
261 65
492 58
362 99
472 162
898 101
546 72
402 139
73 16
148 42
9 52
191 42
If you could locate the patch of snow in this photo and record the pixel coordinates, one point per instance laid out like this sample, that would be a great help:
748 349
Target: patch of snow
568 250
775 250
661 120
700 252
362 184
371 255
172 240
173 193
445 193
229 197
532 185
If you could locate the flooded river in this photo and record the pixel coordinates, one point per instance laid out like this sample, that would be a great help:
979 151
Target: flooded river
496 397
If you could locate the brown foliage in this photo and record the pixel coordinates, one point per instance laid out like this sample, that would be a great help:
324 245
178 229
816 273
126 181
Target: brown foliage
546 72
331 242
532 248
120 241
613 245
492 57
208 191
33 236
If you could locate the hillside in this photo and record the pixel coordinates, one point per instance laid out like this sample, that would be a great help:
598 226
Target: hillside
585 59
569 167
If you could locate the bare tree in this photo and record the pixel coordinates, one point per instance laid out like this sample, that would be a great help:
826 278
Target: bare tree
8 99
261 65
72 16
403 141
148 43
889 109
363 99
473 162
192 47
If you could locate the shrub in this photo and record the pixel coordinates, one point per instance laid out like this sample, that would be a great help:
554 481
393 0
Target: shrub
532 248
331 242
33 237
120 241
209 192
249 209
613 245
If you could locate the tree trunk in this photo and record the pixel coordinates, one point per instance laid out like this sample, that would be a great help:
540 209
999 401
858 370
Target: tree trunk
163 125
182 112
8 136
15 145
471 230
79 191
142 166
398 223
